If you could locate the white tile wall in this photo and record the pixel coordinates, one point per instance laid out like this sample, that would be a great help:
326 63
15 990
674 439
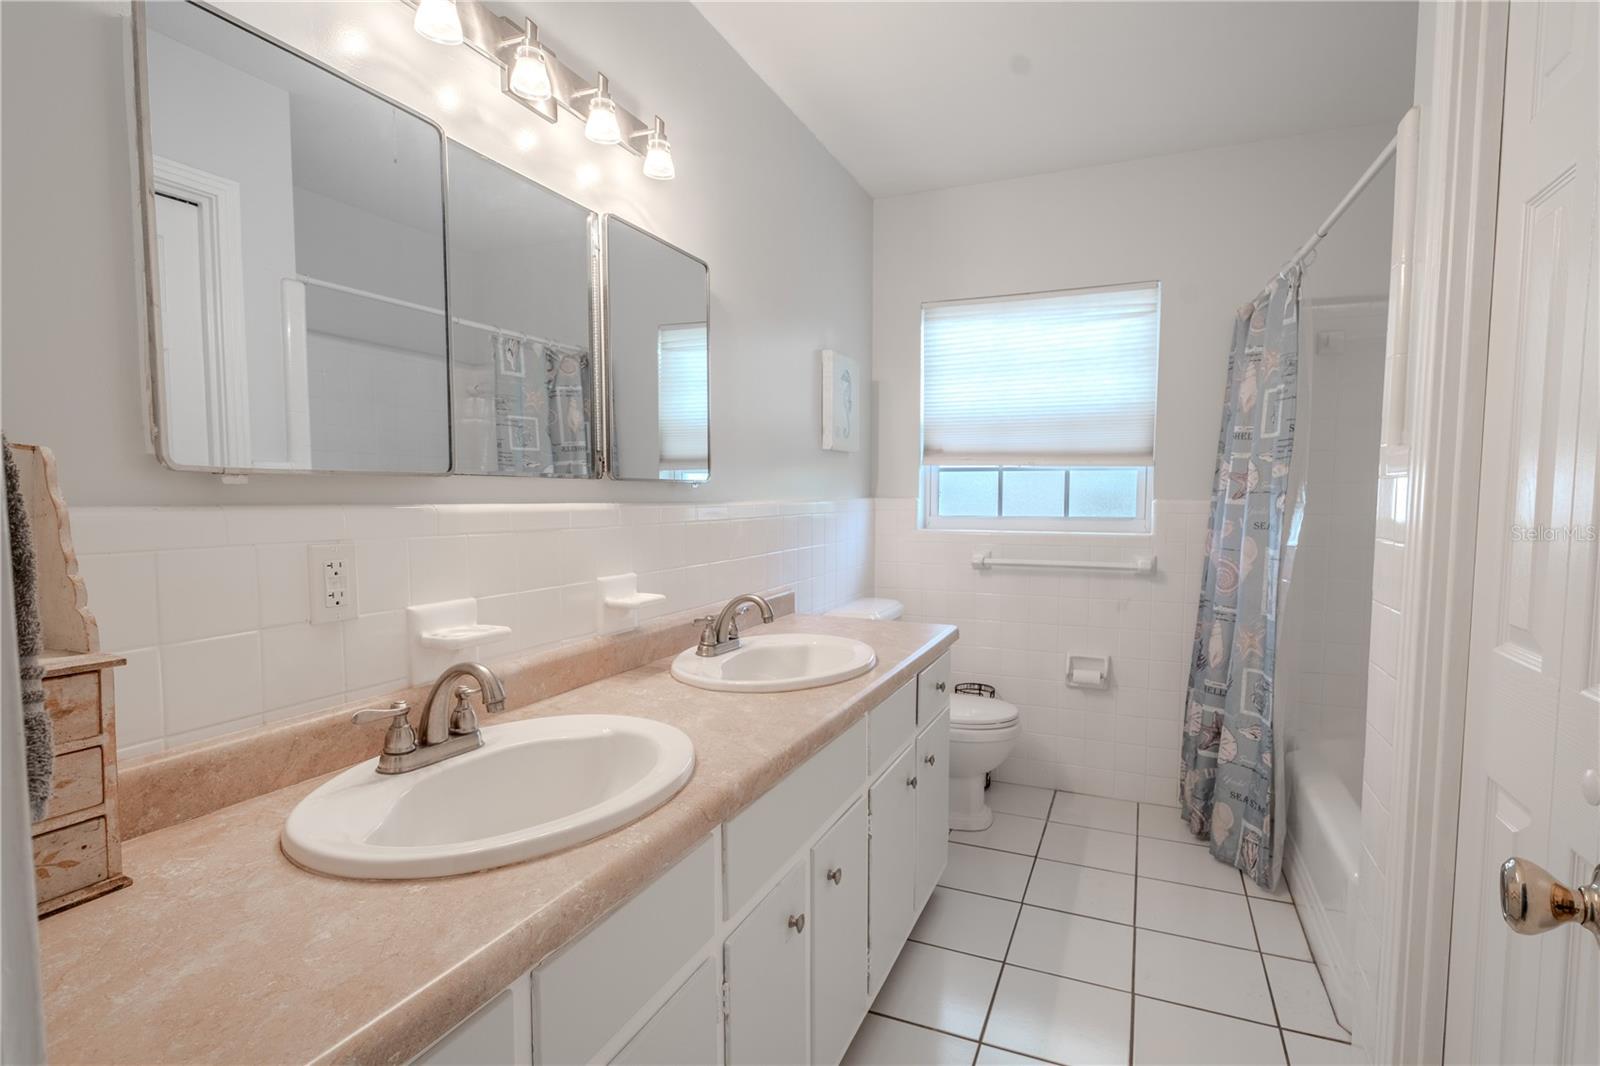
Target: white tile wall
1018 627
211 605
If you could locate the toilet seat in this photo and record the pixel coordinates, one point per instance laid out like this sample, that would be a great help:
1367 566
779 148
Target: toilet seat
978 714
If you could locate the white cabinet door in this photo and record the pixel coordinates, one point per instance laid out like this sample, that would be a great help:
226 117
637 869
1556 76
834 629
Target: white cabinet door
933 805
839 935
892 864
764 962
684 1031
933 690
500 1033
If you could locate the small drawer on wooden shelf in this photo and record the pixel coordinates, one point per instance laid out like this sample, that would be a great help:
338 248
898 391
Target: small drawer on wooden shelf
73 701
70 858
79 782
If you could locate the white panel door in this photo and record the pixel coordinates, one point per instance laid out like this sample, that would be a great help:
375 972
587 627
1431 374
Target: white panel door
892 864
764 963
1533 726
187 408
933 805
839 935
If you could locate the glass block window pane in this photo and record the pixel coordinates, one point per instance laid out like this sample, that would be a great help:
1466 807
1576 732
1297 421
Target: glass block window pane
969 493
1034 492
1103 493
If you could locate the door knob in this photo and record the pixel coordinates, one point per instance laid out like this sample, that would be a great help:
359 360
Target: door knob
836 875
797 922
1533 901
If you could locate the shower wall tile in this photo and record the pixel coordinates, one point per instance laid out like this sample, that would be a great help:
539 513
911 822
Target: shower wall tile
1019 627
211 605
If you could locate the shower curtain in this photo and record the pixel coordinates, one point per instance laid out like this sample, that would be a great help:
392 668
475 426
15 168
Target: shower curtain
1229 780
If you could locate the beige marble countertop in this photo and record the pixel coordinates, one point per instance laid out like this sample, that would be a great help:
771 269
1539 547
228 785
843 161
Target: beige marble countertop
223 951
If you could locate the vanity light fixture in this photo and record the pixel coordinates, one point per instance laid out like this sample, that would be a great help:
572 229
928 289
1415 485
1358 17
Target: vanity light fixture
533 76
530 74
601 126
658 153
439 21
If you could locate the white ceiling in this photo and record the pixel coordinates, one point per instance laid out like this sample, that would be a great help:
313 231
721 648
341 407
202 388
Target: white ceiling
915 96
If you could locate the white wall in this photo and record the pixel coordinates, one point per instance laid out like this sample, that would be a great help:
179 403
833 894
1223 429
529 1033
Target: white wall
1211 226
784 227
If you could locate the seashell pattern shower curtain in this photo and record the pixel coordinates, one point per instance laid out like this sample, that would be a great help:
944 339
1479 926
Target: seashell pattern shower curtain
1229 780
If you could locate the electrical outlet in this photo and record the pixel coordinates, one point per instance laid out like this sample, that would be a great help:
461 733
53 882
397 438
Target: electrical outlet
333 581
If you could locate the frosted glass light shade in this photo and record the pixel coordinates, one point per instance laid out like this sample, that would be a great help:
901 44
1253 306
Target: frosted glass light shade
530 78
438 21
602 127
658 159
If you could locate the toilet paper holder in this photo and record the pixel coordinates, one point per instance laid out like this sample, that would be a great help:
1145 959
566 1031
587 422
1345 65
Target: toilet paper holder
1089 671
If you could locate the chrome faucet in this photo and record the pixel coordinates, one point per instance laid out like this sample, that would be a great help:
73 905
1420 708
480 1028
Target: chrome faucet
446 730
721 632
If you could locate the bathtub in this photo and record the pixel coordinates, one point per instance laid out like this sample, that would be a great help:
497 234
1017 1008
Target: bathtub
1323 860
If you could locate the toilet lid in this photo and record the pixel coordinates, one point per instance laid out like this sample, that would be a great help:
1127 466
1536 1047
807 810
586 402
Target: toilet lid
978 712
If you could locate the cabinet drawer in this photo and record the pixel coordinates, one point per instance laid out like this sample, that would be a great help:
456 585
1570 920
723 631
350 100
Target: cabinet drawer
839 935
684 1031
79 782
933 690
764 962
70 858
764 836
74 705
890 727
593 988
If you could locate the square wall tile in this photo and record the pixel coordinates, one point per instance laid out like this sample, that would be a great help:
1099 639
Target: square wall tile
438 569
122 595
205 683
206 592
383 579
301 663
284 582
140 719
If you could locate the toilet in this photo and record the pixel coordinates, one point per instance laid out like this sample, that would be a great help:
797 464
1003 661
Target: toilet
982 733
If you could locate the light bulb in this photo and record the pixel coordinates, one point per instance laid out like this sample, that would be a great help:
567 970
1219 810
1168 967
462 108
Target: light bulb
658 154
530 78
602 127
438 21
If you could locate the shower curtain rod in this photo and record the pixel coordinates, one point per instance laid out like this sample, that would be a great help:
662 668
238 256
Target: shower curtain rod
1356 190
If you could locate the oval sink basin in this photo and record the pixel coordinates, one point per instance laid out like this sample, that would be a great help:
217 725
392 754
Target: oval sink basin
779 663
534 787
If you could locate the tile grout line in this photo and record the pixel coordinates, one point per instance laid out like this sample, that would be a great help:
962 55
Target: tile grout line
994 995
1266 975
1133 963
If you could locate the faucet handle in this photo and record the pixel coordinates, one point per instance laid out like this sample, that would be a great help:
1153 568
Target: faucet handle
462 717
401 738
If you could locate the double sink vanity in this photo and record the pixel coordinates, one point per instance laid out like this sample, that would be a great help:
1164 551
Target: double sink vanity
725 872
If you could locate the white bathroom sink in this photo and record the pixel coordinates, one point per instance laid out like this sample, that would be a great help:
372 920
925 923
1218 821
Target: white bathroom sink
534 787
778 663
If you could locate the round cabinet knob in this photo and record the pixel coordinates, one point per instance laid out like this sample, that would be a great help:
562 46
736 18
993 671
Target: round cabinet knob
931 759
797 922
836 875
1591 786
938 686
911 782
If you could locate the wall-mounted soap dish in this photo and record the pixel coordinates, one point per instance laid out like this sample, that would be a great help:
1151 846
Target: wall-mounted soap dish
445 633
620 600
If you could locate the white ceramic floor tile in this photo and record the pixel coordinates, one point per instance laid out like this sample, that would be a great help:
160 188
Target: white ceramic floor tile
1278 926
1302 1001
1010 832
1164 823
1059 1020
1186 864
1082 890
940 989
1165 1034
995 1056
1070 945
1314 1051
1202 913
962 921
1208 976
1281 893
993 873
1025 800
886 1042
1099 848
1096 812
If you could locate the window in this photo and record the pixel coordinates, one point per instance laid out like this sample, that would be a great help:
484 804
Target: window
683 402
1038 411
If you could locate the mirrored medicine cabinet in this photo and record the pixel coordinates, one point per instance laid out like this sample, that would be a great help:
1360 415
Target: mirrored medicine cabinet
334 286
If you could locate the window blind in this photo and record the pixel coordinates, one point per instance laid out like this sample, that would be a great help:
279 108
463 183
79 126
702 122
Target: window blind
682 399
1065 378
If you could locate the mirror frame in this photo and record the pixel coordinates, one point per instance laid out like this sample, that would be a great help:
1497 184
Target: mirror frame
153 376
603 345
